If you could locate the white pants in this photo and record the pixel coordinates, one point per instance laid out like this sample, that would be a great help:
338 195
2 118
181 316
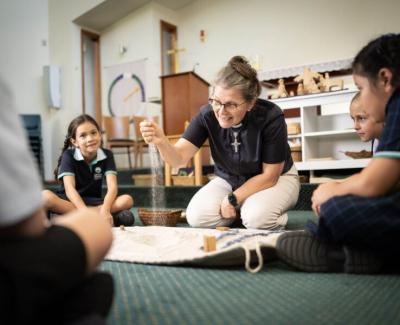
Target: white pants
265 209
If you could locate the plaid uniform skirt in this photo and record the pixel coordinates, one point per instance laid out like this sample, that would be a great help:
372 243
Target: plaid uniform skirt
365 223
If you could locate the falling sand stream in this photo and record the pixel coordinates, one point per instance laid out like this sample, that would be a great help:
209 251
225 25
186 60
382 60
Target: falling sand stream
157 191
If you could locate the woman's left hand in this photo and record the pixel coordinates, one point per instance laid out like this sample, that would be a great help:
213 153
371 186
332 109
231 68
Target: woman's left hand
227 210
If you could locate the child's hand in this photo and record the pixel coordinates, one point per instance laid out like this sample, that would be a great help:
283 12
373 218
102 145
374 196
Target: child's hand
151 132
107 215
110 219
322 194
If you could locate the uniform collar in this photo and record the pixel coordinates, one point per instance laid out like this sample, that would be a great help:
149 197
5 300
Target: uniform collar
99 156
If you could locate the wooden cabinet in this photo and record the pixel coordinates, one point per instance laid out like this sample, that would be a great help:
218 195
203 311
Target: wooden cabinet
182 96
326 130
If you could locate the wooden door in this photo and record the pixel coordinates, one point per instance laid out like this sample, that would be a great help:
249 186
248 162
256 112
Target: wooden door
169 40
91 87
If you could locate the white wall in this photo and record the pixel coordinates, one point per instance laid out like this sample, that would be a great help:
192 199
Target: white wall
65 47
140 32
24 51
284 33
33 34
21 57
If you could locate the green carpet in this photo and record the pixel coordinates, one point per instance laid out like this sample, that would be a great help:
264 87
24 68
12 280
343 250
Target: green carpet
148 294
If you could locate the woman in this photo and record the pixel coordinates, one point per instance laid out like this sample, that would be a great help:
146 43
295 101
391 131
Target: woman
256 178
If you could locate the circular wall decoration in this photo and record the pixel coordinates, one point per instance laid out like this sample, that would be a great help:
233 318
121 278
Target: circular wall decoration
125 95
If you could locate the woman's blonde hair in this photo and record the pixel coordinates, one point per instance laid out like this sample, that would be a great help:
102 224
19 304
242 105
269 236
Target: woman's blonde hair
239 74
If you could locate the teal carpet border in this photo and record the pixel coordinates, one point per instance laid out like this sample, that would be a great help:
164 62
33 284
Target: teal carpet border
277 295
150 294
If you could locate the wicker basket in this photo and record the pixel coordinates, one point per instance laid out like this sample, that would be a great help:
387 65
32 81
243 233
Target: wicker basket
167 218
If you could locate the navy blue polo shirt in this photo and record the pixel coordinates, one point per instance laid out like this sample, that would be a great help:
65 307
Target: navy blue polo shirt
389 142
88 177
262 137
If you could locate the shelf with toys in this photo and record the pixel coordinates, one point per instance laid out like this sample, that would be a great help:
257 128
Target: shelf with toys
321 135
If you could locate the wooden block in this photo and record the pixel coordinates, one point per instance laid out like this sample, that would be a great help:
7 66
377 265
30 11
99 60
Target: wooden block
223 228
291 112
209 243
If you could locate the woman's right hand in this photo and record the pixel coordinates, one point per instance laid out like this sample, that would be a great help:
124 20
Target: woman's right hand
151 132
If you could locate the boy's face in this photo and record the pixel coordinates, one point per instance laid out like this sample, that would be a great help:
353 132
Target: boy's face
367 128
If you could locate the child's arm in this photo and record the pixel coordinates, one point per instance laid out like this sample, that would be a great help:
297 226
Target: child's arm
111 195
377 179
72 193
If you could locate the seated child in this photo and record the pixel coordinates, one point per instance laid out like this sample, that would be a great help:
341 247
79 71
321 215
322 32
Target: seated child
359 219
82 167
47 270
367 129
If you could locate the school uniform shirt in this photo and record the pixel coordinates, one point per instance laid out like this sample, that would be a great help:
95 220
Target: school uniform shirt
389 142
88 177
239 152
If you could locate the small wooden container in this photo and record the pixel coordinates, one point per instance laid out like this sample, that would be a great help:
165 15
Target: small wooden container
296 153
293 128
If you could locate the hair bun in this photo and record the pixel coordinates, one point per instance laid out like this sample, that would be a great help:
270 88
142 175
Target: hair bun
243 67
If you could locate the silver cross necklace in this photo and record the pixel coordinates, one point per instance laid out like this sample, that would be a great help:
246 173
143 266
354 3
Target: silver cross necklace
235 144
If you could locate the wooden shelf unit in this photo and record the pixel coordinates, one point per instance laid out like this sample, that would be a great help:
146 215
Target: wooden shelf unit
326 130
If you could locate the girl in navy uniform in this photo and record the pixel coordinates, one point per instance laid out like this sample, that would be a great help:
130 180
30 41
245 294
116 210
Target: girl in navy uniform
359 225
82 166
256 178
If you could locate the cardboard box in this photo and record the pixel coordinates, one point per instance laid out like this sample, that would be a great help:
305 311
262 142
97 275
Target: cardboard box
296 153
144 180
186 180
293 128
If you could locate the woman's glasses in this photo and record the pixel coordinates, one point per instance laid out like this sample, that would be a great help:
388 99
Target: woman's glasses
228 106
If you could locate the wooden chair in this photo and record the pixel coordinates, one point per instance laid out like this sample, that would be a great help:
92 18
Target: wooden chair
141 145
117 135
197 162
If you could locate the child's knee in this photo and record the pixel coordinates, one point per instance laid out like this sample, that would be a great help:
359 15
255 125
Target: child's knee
128 200
48 198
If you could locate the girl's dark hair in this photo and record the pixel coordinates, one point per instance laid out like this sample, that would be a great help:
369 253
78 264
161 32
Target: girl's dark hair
382 52
71 134
239 73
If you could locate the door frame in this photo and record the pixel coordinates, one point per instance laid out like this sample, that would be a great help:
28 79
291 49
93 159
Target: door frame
97 73
164 26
